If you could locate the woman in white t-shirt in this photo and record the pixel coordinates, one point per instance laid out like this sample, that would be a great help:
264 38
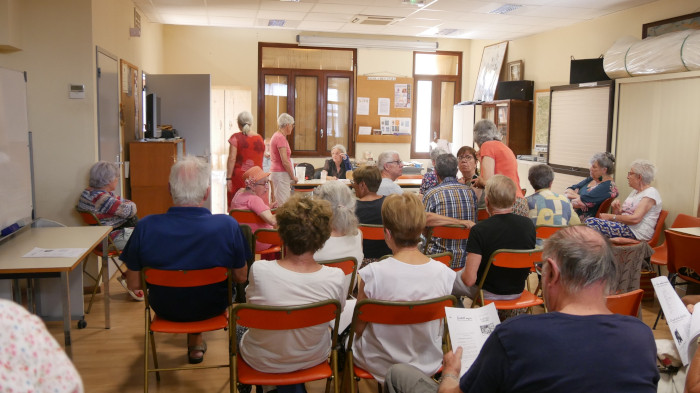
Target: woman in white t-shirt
296 279
636 217
346 239
406 276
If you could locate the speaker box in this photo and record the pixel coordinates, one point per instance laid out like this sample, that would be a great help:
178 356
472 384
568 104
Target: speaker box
587 70
515 90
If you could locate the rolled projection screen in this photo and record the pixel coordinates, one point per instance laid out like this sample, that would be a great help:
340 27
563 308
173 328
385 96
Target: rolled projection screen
673 52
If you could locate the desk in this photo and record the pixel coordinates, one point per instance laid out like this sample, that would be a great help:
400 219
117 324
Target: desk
12 265
694 231
403 183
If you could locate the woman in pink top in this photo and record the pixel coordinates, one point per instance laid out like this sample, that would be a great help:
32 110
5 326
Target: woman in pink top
281 168
255 197
497 159
246 150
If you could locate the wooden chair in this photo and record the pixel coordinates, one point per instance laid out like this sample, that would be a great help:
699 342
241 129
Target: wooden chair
269 236
511 259
257 316
625 303
452 232
660 256
392 313
89 218
604 207
154 323
348 265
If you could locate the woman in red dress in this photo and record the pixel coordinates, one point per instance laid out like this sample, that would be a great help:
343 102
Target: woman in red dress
246 151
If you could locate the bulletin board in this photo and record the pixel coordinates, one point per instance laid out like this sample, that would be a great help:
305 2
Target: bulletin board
374 88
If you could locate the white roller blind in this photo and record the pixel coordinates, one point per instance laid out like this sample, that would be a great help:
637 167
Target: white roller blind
578 126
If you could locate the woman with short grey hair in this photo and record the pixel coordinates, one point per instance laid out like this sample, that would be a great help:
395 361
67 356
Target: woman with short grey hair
338 164
587 195
497 159
281 167
636 218
246 150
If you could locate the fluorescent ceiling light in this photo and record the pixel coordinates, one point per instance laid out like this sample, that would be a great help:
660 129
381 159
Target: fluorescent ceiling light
340 42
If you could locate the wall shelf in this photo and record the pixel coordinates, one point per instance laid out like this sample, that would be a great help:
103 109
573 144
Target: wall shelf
383 138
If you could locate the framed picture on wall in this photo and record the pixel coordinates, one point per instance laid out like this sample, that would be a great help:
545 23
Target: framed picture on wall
683 22
540 136
515 70
489 71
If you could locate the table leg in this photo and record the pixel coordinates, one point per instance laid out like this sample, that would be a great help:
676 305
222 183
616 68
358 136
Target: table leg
105 281
66 313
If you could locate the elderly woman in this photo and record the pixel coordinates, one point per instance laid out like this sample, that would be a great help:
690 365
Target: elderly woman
587 195
467 158
255 197
304 226
338 164
246 150
636 217
369 209
346 239
497 159
406 276
430 179
281 168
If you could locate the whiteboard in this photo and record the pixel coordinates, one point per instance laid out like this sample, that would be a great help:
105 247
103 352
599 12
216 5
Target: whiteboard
15 167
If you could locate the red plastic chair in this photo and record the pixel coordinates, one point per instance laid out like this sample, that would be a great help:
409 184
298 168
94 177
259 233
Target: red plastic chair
257 316
392 313
625 303
243 216
269 236
444 258
604 207
660 256
658 228
452 232
545 231
154 323
349 267
372 232
482 214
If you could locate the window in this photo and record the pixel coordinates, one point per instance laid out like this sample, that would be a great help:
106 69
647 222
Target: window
313 85
438 79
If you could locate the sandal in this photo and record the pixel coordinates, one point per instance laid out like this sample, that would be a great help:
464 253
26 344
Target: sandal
138 295
192 348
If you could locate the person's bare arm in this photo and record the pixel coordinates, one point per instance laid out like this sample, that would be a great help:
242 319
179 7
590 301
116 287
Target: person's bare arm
631 219
488 168
287 164
470 269
361 296
133 279
451 365
269 217
240 274
434 219
230 163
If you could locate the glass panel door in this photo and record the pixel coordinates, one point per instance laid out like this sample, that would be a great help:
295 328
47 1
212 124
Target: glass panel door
337 112
424 113
276 92
306 113
447 102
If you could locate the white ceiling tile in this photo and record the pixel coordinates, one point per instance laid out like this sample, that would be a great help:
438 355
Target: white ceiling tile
314 16
320 26
339 8
191 20
286 6
229 21
232 11
269 14
387 11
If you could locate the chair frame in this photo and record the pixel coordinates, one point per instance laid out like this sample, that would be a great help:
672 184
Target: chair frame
90 218
393 313
512 259
348 265
450 232
184 279
245 216
604 207
283 318
625 303
660 256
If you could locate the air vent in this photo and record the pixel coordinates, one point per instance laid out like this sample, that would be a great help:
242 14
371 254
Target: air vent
504 9
377 20
276 22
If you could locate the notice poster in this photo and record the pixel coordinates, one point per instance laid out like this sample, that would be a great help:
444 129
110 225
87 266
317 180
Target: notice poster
402 95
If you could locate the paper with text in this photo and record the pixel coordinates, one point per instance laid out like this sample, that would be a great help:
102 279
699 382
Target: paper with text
685 328
55 253
469 329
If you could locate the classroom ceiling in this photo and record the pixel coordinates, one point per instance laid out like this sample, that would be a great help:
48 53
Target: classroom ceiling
462 19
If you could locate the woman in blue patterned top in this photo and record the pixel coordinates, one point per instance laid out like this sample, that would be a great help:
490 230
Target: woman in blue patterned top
587 195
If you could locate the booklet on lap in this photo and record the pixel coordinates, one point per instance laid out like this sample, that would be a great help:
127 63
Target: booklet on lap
685 327
469 329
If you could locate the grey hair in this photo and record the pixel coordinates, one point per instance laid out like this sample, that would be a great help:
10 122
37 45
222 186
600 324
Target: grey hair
245 121
645 169
605 160
189 181
584 257
102 173
434 153
339 147
342 200
284 119
446 166
385 157
540 176
485 130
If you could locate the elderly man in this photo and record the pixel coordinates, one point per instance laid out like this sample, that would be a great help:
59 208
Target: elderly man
579 346
503 229
450 203
187 237
547 207
391 167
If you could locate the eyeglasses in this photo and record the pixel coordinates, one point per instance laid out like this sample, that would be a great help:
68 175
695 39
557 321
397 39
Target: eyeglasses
266 182
630 173
538 267
397 162
465 158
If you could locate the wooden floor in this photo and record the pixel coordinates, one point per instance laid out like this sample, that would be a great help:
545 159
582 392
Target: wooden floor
112 360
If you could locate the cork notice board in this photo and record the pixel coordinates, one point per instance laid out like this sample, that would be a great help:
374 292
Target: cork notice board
375 88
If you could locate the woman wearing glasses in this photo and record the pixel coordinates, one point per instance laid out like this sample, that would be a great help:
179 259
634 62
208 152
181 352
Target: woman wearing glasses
636 217
467 157
255 197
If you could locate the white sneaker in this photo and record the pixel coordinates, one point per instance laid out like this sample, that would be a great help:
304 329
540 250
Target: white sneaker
138 297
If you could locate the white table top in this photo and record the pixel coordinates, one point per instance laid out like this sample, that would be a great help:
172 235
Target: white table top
12 250
409 183
694 231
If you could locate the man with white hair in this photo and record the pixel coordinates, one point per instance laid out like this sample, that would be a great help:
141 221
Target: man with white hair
391 168
579 346
187 237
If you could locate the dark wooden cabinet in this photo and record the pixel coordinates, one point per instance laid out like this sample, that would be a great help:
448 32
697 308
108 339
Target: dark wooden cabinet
149 173
514 119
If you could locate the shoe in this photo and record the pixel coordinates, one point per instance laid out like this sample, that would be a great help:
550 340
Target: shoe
136 296
190 348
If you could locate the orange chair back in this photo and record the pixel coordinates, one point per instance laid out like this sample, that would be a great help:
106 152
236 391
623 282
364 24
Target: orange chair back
625 303
89 218
512 259
443 257
545 231
685 221
683 252
402 313
185 278
450 232
658 228
372 232
285 318
244 216
347 265
269 236
515 259
604 207
482 214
